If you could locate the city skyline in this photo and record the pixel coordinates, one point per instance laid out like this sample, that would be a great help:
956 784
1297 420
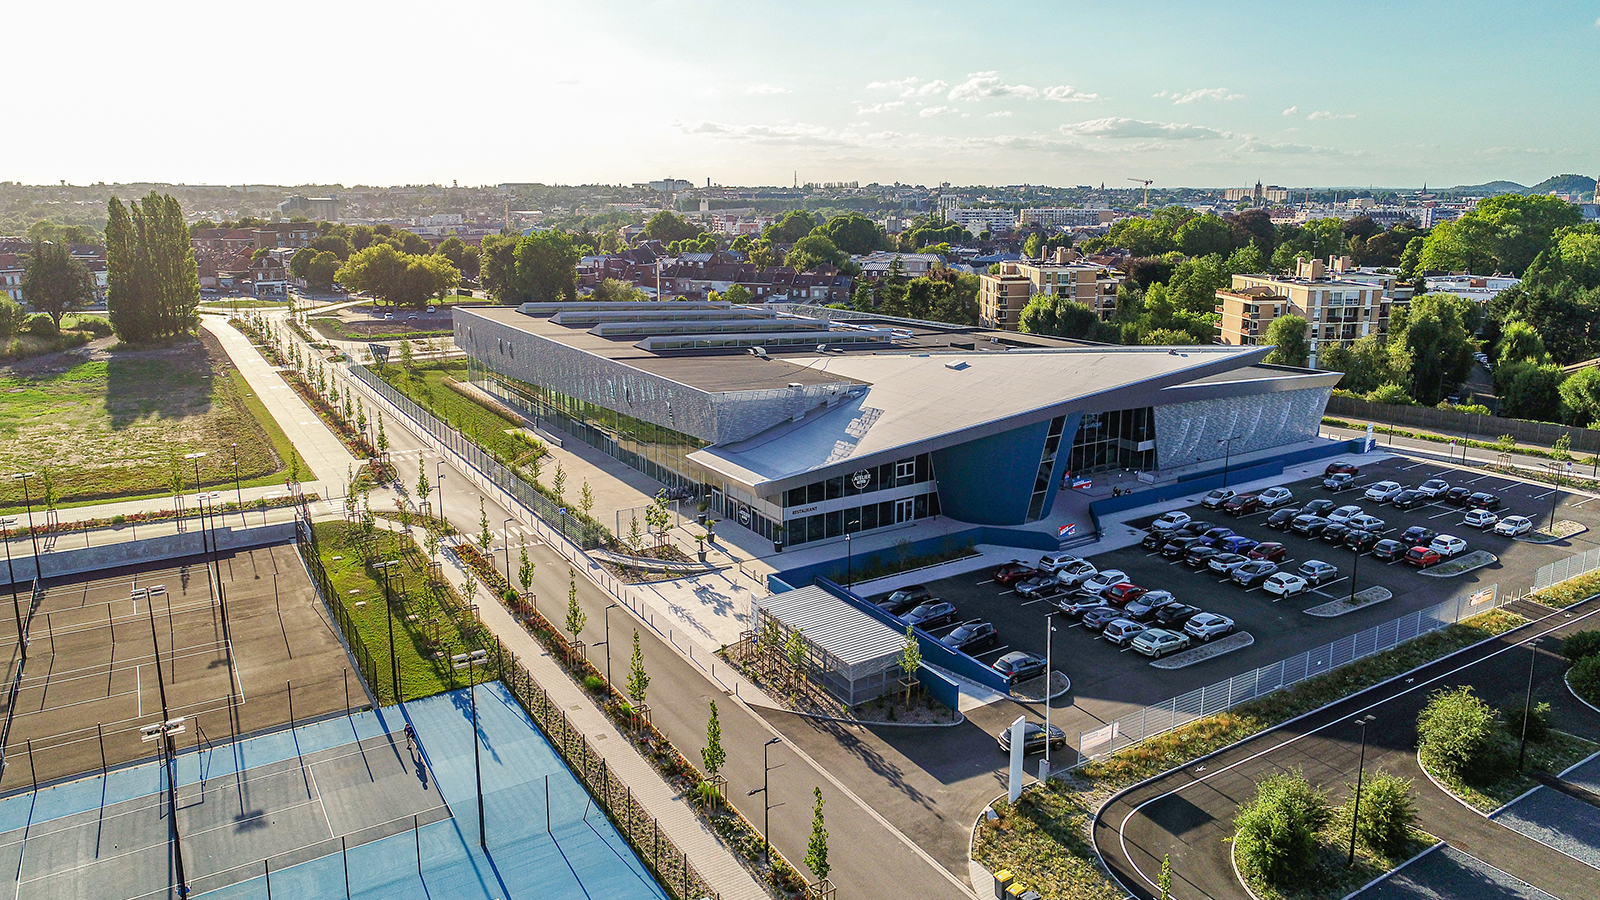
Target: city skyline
1387 96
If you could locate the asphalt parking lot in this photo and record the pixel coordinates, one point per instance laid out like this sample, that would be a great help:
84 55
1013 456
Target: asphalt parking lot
1109 680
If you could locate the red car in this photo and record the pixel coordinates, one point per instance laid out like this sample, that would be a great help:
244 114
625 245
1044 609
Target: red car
1242 504
1422 557
1269 550
1014 571
1336 468
1123 594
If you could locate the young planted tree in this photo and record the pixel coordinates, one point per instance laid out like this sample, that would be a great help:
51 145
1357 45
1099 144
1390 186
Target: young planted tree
713 756
795 651
817 847
559 483
525 570
485 536
1164 880
47 490
423 487
638 678
407 361
656 518
635 536
910 661
575 616
586 499
383 439
294 467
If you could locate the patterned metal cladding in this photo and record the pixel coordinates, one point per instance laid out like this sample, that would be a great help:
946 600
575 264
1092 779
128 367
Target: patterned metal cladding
1190 432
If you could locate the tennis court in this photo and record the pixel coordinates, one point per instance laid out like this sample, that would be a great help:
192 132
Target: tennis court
340 807
244 652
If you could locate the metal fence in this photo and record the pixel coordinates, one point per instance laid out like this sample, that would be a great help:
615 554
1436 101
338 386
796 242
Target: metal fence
1214 698
305 541
1450 422
587 535
1563 569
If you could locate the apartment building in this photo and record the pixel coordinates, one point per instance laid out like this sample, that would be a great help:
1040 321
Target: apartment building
1338 306
977 221
1064 217
1002 296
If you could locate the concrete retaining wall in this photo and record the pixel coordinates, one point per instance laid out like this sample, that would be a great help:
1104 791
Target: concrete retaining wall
80 560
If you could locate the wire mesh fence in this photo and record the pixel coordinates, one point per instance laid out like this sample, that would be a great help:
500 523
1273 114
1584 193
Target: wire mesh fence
306 544
1563 569
1214 698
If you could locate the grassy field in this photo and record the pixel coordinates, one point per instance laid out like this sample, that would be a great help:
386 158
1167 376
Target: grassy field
111 428
428 627
336 329
428 385
237 303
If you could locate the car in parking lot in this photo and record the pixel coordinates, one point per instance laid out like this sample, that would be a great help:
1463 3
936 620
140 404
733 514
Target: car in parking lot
1075 605
1339 468
1511 526
1271 550
1101 616
1272 498
1123 594
1360 540
1210 538
1285 584
1338 481
1019 665
904 599
1483 500
1422 557
1208 625
1388 550
929 616
1480 518
1318 507
1155 539
1144 608
1457 496
1433 488
1014 571
1055 562
1409 499
1417 536
1195 527
1253 572
1225 563
1121 631
1158 642
1383 491
1039 587
971 637
1242 504
1199 556
433 309
1334 532
1448 545
1236 543
1281 518
1096 584
1073 574
1365 522
1033 738
1317 572
1345 513
1310 526
1217 498
1178 546
1171 520
1173 615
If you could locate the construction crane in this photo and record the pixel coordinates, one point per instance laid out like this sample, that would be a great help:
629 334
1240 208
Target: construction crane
1146 182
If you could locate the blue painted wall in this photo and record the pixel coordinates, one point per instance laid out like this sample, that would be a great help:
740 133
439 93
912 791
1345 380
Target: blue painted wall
1069 433
836 569
990 480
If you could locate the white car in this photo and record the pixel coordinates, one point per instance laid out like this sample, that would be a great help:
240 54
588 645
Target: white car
1216 498
1206 626
1158 642
1344 514
1073 574
1365 522
1170 521
1384 491
1053 562
1433 488
1448 545
1480 518
1511 526
1272 498
1100 581
1285 584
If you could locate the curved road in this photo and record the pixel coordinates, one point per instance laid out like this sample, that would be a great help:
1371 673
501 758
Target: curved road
1188 812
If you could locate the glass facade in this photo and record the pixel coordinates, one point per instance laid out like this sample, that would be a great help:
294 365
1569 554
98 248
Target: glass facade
1122 439
912 480
1047 462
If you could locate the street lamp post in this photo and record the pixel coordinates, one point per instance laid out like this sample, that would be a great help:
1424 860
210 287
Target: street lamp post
766 799
849 555
607 641
16 606
1049 631
1355 563
1355 814
1527 702
438 485
238 495
1227 455
23 477
505 535
164 732
469 662
388 607
1555 495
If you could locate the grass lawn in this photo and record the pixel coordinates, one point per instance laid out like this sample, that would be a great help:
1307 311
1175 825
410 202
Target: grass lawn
427 384
429 625
110 428
329 327
237 303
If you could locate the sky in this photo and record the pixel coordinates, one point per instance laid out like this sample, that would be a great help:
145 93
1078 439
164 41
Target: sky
1215 94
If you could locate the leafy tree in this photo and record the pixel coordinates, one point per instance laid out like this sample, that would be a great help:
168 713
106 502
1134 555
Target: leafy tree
462 255
1502 233
1580 645
575 615
153 285
855 234
1580 398
497 265
546 267
1204 235
1287 334
1391 393
1529 390
813 251
11 317
54 282
1166 337
1140 237
613 290
1059 316
667 226
1433 333
1565 315
1573 256
792 227
485 536
1275 835
910 660
1254 227
817 847
1519 342
713 756
1387 813
525 569
402 279
638 678
1456 735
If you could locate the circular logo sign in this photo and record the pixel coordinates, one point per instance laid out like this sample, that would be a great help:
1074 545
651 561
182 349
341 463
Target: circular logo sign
861 479
744 515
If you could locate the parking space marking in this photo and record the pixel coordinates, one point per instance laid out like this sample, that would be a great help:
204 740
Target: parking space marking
1033 601
1543 495
995 650
1003 593
1412 466
990 581
1448 512
1576 505
1479 478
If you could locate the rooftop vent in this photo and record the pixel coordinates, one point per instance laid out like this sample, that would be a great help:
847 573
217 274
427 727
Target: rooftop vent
796 385
759 351
958 366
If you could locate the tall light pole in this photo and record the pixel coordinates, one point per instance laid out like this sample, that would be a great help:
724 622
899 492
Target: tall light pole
1049 631
849 556
164 732
1555 495
1527 702
1355 563
766 799
1227 455
438 485
38 572
16 606
1355 814
388 608
607 641
238 495
505 536
469 661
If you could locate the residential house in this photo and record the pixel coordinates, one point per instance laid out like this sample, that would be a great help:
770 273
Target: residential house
1337 309
1002 296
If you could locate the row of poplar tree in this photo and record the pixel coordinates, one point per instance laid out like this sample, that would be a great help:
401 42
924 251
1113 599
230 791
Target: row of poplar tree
153 287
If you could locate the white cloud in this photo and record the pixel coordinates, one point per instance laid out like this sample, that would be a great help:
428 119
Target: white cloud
1321 114
1066 93
931 111
1285 147
764 88
1216 93
1002 114
787 133
1123 128
880 107
987 85
1159 94
910 86
1292 111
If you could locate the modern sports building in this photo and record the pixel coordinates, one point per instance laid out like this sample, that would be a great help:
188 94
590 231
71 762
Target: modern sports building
804 420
